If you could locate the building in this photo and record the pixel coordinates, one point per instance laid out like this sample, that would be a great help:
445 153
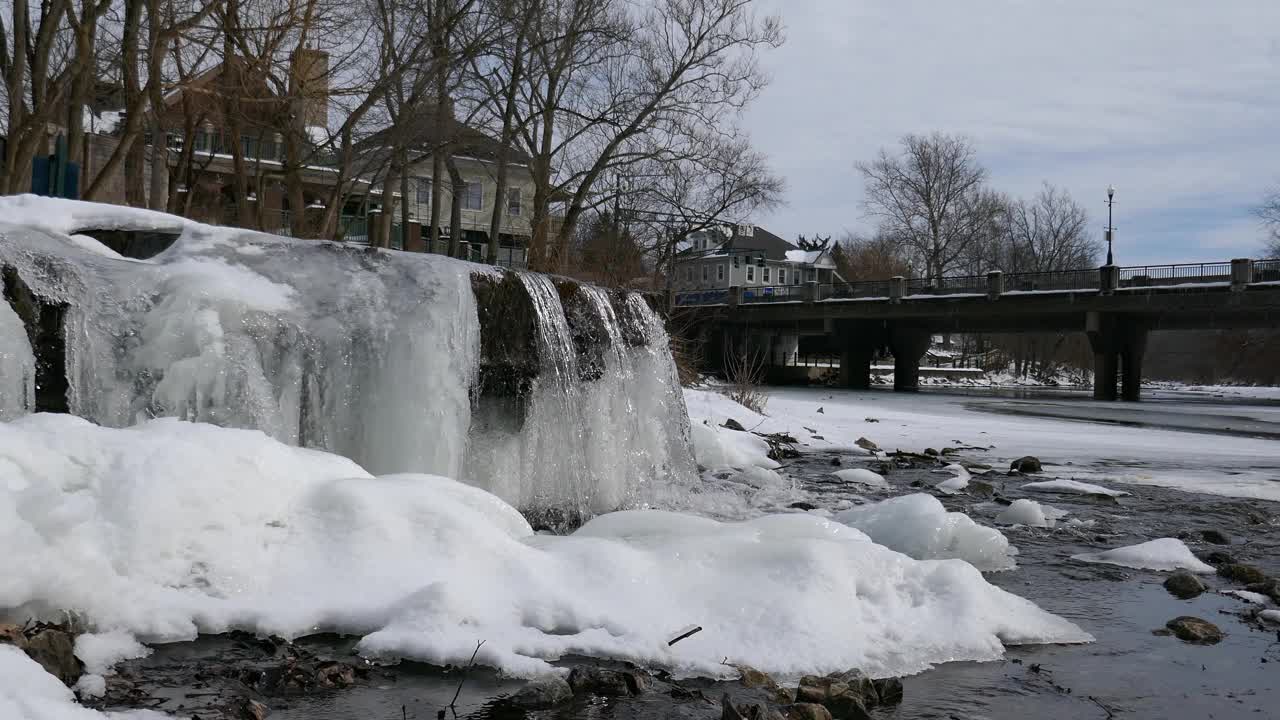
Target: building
752 258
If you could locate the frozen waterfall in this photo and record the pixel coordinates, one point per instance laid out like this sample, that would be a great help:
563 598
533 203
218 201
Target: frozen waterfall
551 394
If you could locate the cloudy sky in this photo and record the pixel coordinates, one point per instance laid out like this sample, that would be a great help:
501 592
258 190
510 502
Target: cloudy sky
1175 102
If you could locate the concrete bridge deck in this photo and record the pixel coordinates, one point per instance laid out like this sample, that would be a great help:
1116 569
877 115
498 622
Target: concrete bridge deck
1116 307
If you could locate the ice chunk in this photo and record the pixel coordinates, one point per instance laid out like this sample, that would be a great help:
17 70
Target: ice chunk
17 366
171 528
918 525
1161 554
957 483
1030 512
1072 487
717 447
862 476
1250 597
101 651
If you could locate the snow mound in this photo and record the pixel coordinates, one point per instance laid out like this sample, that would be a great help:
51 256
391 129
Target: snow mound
1250 597
1072 487
28 692
957 483
862 476
717 447
918 525
1161 554
1031 513
172 528
101 651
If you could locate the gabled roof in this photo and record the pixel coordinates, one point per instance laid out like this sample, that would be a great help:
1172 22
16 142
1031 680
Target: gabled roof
423 140
773 247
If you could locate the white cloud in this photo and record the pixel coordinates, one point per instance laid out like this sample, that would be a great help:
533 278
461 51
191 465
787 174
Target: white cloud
1173 101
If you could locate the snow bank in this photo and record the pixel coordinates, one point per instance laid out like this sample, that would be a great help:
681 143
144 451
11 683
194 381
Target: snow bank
174 528
1031 513
28 692
862 476
717 448
1161 554
1072 487
918 525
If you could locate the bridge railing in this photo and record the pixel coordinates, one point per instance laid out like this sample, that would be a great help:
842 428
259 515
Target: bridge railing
1054 281
703 297
1266 270
772 293
965 284
859 289
1187 273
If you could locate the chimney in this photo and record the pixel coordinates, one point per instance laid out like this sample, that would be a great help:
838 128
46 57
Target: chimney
310 83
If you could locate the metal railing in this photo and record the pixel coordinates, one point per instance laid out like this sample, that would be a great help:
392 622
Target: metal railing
782 359
703 297
962 285
772 293
1266 270
1053 281
1189 273
852 290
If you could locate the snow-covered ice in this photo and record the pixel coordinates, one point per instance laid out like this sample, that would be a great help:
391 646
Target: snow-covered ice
1030 513
28 692
170 528
918 525
958 481
1160 554
1072 487
864 477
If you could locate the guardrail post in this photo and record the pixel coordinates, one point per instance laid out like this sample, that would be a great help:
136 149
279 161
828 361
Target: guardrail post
1109 278
897 288
1241 273
995 284
811 291
735 295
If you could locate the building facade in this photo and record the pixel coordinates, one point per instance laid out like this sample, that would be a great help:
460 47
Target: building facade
753 259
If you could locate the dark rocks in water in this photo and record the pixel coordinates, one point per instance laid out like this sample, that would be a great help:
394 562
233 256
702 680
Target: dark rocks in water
606 682
254 710
981 488
802 505
1270 588
52 646
836 461
753 679
1214 537
542 694
931 452
750 711
1242 573
889 690
805 711
330 674
1217 557
733 425
1026 464
847 695
866 444
1195 630
1184 585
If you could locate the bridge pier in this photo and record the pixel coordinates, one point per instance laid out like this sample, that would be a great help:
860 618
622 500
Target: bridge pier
908 345
1118 349
855 363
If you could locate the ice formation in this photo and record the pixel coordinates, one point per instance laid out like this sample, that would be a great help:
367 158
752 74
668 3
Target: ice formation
1161 554
1072 487
375 355
918 525
958 482
1030 513
170 528
862 476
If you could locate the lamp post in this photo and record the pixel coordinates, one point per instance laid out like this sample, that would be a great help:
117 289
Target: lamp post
1111 193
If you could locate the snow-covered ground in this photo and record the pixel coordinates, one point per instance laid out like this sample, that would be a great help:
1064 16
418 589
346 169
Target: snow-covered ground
1090 452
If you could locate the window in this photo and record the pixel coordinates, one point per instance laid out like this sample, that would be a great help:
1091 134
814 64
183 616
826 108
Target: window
751 273
704 273
249 146
811 275
720 273
513 201
473 197
688 274
782 276
422 190
765 274
795 278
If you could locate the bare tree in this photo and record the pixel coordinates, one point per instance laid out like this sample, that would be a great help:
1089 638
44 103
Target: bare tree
878 257
1048 232
931 198
1269 213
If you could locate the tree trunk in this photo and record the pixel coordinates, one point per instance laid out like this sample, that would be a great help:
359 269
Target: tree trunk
459 186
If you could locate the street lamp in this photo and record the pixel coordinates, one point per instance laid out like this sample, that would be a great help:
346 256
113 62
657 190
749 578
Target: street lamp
1111 193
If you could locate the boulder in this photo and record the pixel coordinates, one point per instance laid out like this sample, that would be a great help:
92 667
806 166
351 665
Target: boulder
1215 537
331 674
753 678
54 649
889 690
542 694
931 452
609 683
732 424
1242 573
836 462
1270 588
802 505
847 695
1184 585
806 711
1195 630
1217 557
254 710
750 711
1026 464
866 444
981 488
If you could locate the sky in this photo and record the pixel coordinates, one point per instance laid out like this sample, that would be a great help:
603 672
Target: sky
1174 102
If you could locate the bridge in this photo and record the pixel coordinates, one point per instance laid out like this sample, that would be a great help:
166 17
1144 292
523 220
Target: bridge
1114 306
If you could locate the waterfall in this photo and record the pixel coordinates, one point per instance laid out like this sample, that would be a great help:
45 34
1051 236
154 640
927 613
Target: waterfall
553 395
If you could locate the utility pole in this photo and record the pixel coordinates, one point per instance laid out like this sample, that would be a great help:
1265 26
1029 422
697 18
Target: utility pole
1111 193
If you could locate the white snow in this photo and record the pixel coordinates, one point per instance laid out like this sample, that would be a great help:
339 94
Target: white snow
101 651
918 525
1250 597
27 692
1030 513
958 482
862 476
1161 554
717 447
1072 487
171 528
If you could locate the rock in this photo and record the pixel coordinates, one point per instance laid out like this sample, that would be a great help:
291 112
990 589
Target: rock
836 461
733 425
1241 572
54 649
860 685
1270 588
889 690
609 683
254 710
820 410
1215 537
843 699
866 444
1026 464
542 694
981 488
1184 585
1195 630
1217 557
12 635
331 674
802 505
752 711
806 711
931 452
